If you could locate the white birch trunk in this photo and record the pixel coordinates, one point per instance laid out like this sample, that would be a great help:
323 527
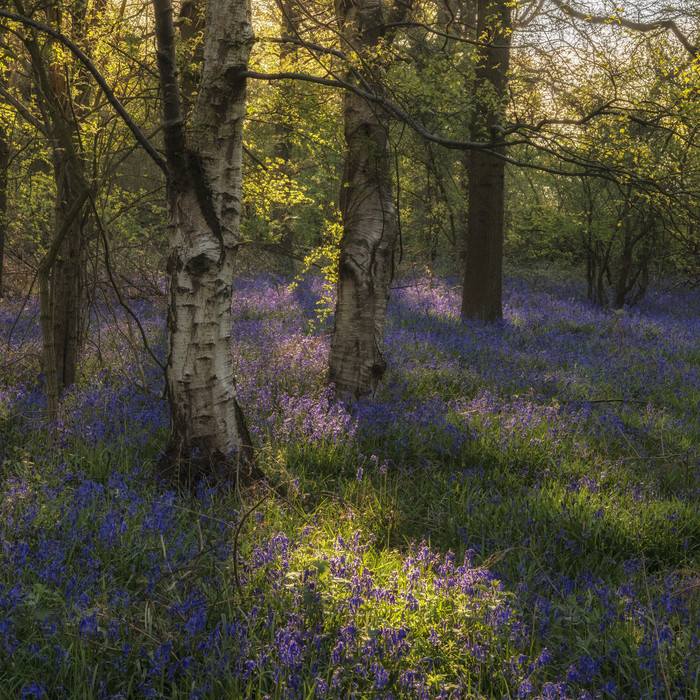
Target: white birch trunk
209 439
369 220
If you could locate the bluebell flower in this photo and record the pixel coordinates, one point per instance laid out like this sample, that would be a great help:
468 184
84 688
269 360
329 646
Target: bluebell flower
525 689
34 689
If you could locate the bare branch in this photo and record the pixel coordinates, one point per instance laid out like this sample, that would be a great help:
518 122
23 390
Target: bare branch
524 21
599 111
668 24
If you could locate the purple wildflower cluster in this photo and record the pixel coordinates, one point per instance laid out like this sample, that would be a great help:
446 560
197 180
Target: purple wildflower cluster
515 514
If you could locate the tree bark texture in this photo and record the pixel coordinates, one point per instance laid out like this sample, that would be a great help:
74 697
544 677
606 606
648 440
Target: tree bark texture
67 271
368 207
483 270
208 434
61 270
47 305
67 276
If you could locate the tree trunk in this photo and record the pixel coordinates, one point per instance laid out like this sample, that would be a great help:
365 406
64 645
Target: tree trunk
368 207
625 282
208 434
289 29
483 272
47 305
67 282
67 270
4 163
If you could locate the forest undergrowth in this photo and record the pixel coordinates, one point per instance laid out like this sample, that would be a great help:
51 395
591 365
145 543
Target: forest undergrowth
513 515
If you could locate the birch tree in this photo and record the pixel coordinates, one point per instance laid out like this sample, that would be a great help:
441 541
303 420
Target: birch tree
368 206
208 434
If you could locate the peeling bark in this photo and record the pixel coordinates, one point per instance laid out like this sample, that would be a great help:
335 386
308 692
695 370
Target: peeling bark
208 434
368 208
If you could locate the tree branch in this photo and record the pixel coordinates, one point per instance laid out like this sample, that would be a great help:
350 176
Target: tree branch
23 110
99 79
398 113
398 12
629 24
173 119
598 111
522 23
391 108
437 32
317 48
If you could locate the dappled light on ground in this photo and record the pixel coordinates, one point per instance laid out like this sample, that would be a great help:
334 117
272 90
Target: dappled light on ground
514 514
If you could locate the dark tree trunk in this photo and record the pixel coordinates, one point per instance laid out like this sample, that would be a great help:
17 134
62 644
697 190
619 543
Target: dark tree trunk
65 275
67 282
483 270
4 162
633 268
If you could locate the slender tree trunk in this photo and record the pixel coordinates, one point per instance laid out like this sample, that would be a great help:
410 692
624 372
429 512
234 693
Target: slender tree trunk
47 306
208 434
625 271
633 267
483 272
289 28
67 288
67 283
368 208
4 163
66 273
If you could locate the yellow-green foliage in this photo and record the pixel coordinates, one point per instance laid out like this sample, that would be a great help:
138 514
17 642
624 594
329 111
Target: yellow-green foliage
270 197
325 258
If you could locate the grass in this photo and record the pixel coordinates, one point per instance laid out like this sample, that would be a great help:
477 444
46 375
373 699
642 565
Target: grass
515 514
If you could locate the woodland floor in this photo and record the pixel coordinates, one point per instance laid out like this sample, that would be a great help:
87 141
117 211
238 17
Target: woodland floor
515 514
